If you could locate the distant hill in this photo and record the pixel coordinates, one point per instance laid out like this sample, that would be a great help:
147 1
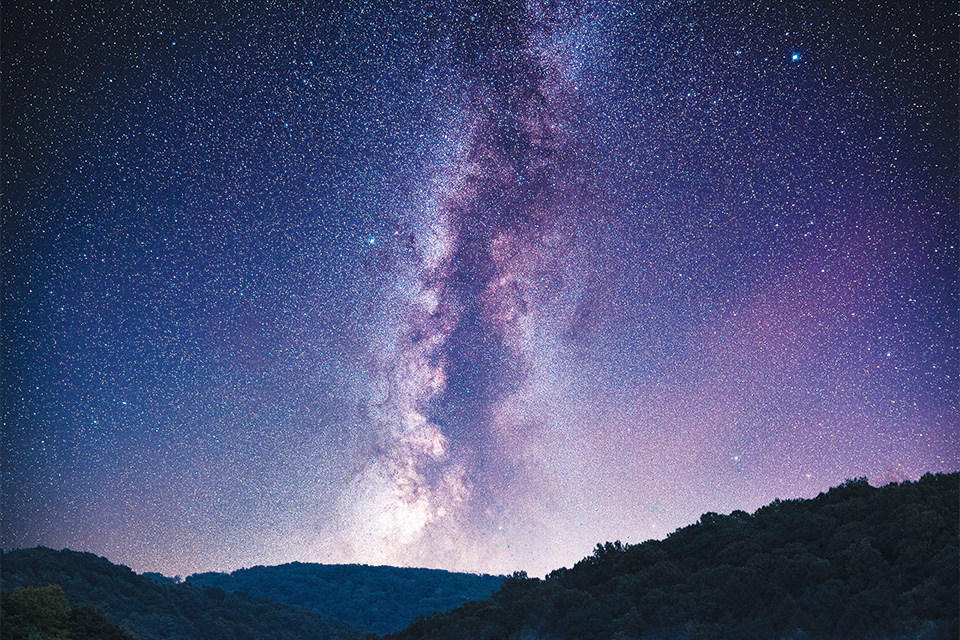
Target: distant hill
152 609
857 562
377 599
289 601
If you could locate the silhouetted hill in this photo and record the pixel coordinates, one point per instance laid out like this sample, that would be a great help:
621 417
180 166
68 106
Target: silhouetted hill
153 609
855 562
377 599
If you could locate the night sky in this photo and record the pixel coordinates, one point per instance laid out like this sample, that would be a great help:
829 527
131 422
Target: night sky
465 285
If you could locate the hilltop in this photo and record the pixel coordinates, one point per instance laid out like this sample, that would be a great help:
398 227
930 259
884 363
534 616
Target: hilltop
854 562
376 599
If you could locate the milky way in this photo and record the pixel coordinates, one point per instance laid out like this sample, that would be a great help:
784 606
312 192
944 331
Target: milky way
490 243
463 285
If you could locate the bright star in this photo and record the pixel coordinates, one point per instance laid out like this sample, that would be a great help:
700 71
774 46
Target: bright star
795 57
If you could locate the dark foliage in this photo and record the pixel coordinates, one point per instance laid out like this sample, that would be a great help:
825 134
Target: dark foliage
377 599
857 562
159 577
43 612
155 609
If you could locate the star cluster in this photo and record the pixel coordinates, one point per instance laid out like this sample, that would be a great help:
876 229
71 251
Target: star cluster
466 285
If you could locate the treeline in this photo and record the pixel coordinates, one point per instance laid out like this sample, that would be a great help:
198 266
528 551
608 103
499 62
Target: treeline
283 602
157 610
376 599
43 612
857 562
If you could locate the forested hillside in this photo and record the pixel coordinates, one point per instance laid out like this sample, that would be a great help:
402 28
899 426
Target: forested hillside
154 610
287 601
43 612
855 562
377 599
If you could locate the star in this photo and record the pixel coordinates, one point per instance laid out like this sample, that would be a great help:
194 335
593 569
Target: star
413 297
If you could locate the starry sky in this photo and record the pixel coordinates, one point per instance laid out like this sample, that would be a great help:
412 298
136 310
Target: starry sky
466 285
